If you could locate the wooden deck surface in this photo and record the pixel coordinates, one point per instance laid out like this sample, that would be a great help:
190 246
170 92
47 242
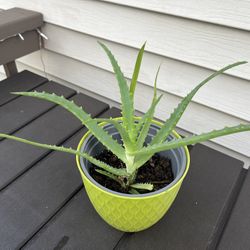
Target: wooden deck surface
43 204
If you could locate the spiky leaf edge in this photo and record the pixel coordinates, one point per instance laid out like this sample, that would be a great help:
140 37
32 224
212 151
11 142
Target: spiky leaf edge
170 124
145 122
100 164
123 133
192 139
126 100
111 176
85 118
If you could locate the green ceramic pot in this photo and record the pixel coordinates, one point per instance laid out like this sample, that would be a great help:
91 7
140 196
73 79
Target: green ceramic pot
127 212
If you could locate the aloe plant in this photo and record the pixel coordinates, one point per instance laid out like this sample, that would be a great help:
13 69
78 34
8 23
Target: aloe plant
133 131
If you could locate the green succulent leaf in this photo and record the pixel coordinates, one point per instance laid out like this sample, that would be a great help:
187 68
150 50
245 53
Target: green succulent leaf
127 101
176 115
133 191
192 140
136 71
100 164
109 175
133 134
145 186
123 133
85 118
145 122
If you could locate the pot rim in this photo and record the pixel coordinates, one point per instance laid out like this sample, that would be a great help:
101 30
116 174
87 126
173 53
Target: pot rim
132 196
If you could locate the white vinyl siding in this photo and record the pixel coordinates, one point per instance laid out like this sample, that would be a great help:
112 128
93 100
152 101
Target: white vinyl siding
186 38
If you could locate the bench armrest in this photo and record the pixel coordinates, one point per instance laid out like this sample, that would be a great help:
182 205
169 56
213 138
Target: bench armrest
13 22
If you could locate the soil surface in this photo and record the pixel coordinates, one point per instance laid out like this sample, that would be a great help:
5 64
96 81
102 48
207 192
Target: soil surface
157 170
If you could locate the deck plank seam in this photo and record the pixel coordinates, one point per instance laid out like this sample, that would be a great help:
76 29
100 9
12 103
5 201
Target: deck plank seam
16 97
126 235
227 211
59 209
34 118
42 157
47 153
122 240
50 218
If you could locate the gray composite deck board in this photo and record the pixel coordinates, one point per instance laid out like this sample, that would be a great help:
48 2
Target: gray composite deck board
237 232
30 201
22 110
77 225
191 221
23 81
37 195
43 204
53 128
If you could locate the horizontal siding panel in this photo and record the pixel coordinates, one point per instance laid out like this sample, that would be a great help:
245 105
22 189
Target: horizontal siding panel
176 77
232 13
103 82
202 44
214 145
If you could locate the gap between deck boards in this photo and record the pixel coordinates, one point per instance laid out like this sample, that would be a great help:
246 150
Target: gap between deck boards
46 153
74 193
227 211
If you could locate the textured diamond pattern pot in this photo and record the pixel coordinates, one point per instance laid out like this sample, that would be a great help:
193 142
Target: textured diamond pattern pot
127 212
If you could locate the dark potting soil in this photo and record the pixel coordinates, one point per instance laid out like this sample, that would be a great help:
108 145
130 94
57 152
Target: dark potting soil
157 170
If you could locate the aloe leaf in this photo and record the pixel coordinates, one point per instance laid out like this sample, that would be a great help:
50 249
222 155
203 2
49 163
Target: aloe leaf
142 120
136 71
140 159
176 115
109 175
192 140
85 118
145 186
133 191
155 82
100 164
123 133
127 101
145 121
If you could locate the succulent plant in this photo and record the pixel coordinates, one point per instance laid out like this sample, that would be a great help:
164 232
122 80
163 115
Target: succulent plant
133 131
